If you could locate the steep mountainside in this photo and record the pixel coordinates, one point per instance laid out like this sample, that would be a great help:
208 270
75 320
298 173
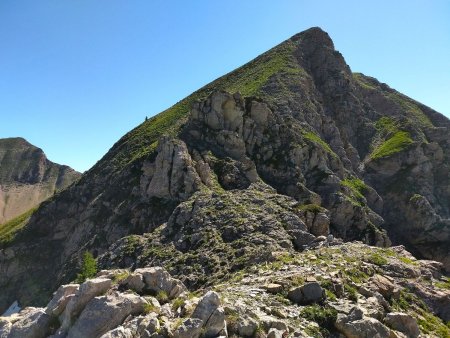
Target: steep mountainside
27 177
273 156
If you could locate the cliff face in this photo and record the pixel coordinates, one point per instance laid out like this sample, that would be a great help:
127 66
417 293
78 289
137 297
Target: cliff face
274 156
27 177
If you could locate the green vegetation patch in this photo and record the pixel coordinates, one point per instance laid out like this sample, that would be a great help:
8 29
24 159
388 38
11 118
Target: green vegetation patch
445 284
88 268
325 316
9 229
387 125
363 82
357 186
315 208
256 74
397 143
377 259
309 135
428 322
415 113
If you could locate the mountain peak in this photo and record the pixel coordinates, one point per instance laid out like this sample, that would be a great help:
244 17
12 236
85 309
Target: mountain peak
315 36
27 177
15 142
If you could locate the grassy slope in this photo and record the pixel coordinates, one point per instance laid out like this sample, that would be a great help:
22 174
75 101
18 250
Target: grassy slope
10 228
248 80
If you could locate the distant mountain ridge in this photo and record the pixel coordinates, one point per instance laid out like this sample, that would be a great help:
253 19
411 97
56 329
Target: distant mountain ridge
27 177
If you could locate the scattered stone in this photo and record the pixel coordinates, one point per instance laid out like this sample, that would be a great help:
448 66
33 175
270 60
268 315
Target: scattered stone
273 288
404 323
190 328
307 294
246 327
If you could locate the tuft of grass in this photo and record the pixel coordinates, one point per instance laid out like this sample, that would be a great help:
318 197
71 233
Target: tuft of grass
162 297
351 292
325 316
120 277
149 308
397 143
9 229
177 303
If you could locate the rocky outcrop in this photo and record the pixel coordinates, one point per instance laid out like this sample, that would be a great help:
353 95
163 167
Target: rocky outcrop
27 177
257 303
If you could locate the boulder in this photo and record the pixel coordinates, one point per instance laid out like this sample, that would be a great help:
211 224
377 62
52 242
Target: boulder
208 310
105 313
118 332
273 288
275 333
5 327
383 285
307 294
60 299
355 325
403 322
157 279
149 324
190 328
135 282
246 327
88 290
33 323
173 173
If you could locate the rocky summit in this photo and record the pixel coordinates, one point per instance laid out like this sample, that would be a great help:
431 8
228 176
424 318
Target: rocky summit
27 178
288 198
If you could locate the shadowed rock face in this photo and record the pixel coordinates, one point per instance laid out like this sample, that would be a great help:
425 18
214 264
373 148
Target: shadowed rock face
276 155
27 177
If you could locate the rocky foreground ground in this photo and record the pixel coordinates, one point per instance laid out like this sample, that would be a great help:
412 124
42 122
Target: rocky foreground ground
333 290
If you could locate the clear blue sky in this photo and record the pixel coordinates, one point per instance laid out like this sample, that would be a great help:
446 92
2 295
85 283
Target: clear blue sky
75 75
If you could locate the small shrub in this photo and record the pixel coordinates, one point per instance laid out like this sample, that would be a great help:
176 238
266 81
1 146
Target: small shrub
88 267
